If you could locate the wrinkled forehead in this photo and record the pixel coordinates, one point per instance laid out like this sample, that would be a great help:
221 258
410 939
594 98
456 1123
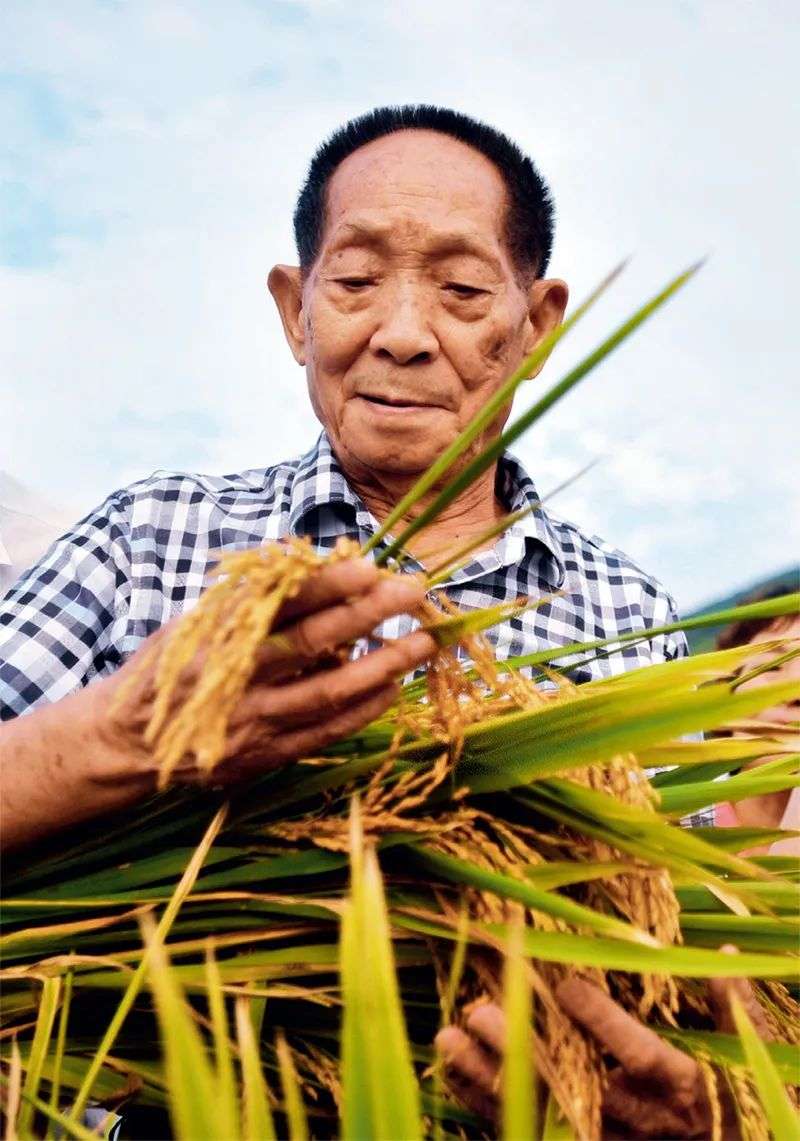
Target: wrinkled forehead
787 626
416 182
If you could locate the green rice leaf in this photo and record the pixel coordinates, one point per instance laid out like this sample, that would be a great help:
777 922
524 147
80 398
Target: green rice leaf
461 556
457 963
61 1037
635 830
449 631
777 895
257 1124
486 415
110 881
780 1113
109 1083
774 776
227 1105
48 1005
737 839
379 1088
768 608
134 985
564 873
457 559
548 902
356 1106
596 728
13 1082
495 448
193 1090
579 653
71 1128
517 1078
689 761
292 1097
556 1127
616 955
750 932
727 1050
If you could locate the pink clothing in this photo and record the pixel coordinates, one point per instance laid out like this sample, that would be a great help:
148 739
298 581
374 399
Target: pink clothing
791 822
725 817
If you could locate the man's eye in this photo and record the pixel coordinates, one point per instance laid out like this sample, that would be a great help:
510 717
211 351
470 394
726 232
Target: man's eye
462 290
355 282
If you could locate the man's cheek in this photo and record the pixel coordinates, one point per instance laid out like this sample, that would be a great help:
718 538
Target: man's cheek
336 340
491 357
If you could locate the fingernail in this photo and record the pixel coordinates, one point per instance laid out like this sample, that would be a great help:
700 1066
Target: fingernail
406 583
421 644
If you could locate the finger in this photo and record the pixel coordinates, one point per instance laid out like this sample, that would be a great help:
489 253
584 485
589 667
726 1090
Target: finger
471 1072
645 1116
332 583
638 1049
329 692
320 633
308 742
248 755
482 1104
488 1023
720 992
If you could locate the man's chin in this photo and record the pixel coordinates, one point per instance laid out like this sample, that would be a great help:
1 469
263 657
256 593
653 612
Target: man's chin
398 443
380 456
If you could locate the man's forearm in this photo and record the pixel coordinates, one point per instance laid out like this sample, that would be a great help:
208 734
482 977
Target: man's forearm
86 755
57 769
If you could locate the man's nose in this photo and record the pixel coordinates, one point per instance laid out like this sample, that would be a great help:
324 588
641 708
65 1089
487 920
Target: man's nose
404 333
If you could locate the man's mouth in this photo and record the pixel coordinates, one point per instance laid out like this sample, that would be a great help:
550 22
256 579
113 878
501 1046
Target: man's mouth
394 404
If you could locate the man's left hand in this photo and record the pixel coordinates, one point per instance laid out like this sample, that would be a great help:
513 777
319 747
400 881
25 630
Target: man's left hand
656 1090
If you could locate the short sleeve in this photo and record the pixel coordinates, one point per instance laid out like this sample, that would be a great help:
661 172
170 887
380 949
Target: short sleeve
57 619
666 647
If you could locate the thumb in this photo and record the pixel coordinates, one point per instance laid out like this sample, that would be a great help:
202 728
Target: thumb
720 992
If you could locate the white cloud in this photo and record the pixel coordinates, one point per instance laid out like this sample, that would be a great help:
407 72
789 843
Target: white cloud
186 132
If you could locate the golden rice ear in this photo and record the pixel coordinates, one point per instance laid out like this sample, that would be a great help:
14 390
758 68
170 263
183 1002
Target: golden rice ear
232 619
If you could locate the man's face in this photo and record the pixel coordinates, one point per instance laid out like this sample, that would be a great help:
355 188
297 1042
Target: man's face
787 671
413 313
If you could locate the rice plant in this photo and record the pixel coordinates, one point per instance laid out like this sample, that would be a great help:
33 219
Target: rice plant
278 961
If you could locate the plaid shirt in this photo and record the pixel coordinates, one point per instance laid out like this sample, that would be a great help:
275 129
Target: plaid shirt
144 554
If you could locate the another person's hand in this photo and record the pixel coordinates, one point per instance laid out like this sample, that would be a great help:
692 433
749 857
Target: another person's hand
285 714
656 1091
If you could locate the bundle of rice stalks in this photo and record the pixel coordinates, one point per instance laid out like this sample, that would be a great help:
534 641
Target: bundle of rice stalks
507 808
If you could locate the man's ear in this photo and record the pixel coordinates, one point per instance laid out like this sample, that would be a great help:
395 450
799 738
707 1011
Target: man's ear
286 287
547 303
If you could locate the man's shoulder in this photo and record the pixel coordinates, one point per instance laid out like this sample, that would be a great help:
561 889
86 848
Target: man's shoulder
591 557
169 485
168 493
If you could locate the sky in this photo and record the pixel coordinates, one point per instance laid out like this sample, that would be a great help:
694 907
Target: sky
151 153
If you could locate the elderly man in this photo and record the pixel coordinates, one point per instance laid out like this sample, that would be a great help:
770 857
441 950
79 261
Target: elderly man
423 241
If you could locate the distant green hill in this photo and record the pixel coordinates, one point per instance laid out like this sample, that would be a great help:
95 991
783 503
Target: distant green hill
702 640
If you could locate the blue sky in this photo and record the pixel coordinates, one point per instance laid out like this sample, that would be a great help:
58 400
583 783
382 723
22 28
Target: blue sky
151 153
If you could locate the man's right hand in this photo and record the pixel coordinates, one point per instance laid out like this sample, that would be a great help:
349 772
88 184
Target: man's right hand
86 754
300 698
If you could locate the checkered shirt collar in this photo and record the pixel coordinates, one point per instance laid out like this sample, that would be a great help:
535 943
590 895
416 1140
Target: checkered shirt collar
321 500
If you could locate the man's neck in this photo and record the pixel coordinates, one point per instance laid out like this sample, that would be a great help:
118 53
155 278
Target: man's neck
465 519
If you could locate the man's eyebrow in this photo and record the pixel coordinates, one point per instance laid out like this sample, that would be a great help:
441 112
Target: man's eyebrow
360 233
442 244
